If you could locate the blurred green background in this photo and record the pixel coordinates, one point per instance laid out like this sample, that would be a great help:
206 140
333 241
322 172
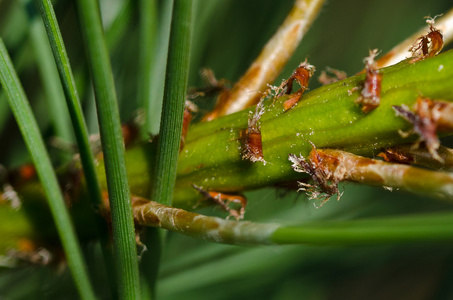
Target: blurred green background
227 36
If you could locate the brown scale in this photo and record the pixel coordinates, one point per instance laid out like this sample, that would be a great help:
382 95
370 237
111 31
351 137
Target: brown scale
428 45
325 182
226 201
188 111
396 156
302 75
425 121
370 95
252 147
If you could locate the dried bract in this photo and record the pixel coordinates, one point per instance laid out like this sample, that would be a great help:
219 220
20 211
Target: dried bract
424 119
394 155
428 45
302 76
406 154
252 147
325 182
228 202
370 96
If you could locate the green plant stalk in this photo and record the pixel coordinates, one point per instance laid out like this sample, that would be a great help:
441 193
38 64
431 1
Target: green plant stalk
426 228
72 99
327 117
173 103
29 129
435 227
113 150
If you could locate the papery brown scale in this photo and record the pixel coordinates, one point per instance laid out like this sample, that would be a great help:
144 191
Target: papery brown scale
370 95
393 155
436 42
428 45
252 148
185 127
189 109
371 92
225 200
302 75
291 101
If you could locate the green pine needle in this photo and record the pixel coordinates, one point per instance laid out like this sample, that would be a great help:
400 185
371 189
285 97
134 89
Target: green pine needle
30 132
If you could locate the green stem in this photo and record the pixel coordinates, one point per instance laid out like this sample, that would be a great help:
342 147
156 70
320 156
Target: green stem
150 213
113 150
29 128
327 117
424 228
